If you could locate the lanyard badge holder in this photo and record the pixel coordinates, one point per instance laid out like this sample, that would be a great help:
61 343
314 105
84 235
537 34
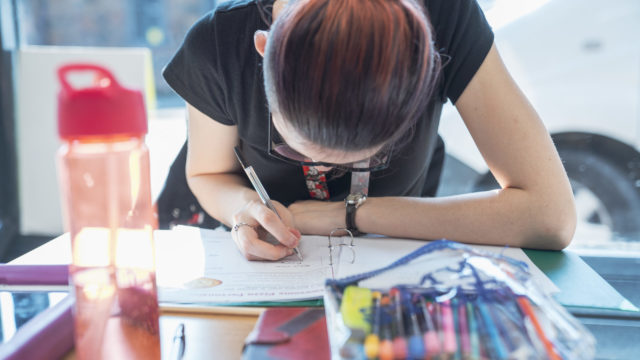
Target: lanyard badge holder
448 300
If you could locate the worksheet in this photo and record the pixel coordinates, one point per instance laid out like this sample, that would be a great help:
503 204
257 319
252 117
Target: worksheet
197 266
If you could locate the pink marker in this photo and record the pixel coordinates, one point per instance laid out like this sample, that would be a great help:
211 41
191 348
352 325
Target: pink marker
465 342
431 340
448 330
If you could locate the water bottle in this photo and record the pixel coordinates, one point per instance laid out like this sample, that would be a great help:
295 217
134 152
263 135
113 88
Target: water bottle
103 168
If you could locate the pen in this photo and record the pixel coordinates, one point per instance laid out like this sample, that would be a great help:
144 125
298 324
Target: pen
416 341
474 341
372 341
449 341
385 350
257 185
177 349
431 340
400 350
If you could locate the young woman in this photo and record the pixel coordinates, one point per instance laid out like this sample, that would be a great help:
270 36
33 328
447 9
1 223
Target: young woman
337 99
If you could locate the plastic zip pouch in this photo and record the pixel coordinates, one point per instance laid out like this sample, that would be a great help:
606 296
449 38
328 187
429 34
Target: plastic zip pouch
447 300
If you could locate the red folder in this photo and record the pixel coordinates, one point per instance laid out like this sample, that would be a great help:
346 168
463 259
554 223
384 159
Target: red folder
289 333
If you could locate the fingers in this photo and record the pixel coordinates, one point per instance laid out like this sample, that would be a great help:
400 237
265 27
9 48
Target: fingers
262 235
270 221
296 233
254 248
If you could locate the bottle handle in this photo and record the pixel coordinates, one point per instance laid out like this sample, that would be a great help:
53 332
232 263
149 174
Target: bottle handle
103 78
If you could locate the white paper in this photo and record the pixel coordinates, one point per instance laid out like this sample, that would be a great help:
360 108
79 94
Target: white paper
205 266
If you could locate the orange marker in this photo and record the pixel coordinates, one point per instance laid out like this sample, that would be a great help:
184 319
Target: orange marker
525 305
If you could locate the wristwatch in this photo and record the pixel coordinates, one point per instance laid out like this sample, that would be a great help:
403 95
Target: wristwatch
352 202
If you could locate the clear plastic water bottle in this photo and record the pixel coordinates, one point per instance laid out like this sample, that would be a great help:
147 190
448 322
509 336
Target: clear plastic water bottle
103 168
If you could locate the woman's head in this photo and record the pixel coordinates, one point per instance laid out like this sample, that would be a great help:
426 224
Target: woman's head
348 75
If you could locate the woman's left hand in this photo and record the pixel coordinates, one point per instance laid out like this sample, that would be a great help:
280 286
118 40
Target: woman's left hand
314 217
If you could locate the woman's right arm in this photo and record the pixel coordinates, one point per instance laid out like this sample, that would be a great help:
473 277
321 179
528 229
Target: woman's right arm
215 178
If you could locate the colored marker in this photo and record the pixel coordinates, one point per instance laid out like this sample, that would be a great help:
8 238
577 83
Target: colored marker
526 307
416 343
431 341
386 346
448 331
372 341
494 336
465 342
474 341
456 329
399 339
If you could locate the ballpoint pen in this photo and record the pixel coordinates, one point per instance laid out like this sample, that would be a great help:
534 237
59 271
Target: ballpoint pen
178 347
257 185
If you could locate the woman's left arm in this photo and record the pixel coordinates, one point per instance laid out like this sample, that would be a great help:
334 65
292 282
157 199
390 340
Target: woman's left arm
534 207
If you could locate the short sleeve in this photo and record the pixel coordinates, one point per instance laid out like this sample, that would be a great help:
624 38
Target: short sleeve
194 72
463 37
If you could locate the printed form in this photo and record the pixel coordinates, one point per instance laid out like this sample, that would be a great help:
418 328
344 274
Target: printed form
196 266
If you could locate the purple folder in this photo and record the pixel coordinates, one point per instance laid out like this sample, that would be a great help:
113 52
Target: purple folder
48 335
34 274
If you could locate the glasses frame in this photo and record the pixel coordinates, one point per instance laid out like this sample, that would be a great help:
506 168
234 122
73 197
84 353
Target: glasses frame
272 152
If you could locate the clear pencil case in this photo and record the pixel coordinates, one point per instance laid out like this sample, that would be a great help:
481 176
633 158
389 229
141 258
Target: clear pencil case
447 300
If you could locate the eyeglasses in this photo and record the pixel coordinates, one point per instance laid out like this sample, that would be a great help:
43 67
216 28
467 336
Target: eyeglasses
279 149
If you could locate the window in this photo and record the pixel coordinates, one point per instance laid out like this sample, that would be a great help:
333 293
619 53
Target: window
157 24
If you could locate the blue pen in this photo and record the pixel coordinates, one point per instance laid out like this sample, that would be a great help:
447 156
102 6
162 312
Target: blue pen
416 344
494 335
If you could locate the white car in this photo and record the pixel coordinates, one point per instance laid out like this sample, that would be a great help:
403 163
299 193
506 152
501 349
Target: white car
578 62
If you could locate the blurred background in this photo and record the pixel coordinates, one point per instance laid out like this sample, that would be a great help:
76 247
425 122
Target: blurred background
578 61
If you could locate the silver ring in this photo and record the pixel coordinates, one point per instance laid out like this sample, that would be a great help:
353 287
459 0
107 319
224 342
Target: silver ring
237 226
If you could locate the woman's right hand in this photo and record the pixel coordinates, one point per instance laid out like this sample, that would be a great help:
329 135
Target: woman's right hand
261 235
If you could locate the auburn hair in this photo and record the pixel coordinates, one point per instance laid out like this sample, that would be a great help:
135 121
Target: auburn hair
350 74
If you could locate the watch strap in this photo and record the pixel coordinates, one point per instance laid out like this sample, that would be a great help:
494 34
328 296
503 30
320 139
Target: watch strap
352 203
351 219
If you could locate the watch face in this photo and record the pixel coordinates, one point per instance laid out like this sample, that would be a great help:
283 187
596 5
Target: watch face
355 199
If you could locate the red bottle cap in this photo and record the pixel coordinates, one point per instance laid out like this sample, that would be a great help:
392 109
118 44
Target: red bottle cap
104 108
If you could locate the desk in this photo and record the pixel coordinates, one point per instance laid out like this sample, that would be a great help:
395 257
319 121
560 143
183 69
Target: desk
223 335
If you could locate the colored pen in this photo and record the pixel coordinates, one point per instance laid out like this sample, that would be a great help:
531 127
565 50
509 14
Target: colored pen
257 185
372 341
493 334
465 341
399 339
431 341
179 343
386 346
527 309
449 340
474 341
416 343
456 329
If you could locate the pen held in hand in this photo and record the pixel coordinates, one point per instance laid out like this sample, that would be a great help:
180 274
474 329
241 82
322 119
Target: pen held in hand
262 192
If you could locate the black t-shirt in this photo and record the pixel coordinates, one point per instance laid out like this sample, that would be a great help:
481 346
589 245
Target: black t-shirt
219 72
